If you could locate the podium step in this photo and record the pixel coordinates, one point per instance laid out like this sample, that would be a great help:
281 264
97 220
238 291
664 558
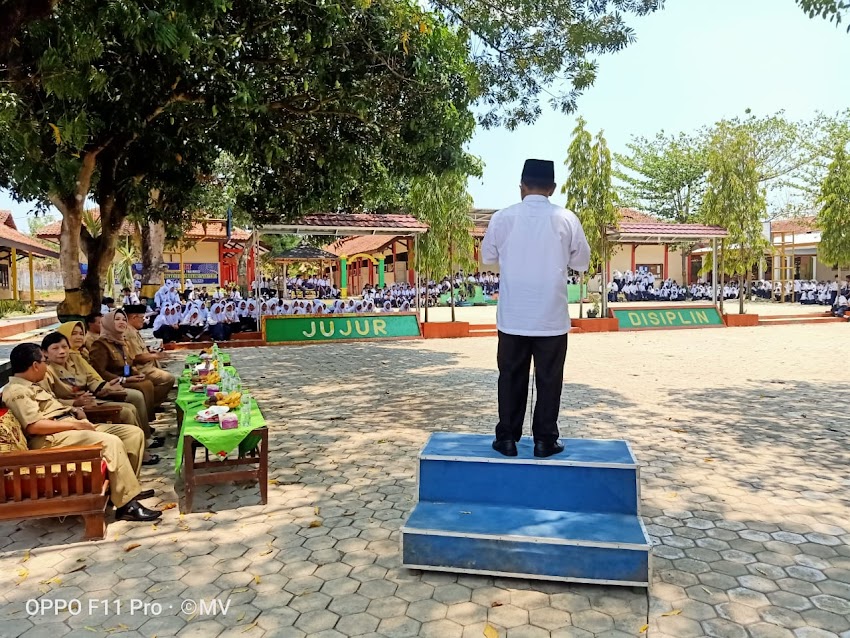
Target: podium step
591 475
530 543
572 517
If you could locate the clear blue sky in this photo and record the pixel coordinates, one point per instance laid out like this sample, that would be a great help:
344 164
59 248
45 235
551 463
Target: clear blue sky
695 62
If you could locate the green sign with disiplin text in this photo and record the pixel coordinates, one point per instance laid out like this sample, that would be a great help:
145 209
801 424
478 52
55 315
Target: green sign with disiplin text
669 317
354 327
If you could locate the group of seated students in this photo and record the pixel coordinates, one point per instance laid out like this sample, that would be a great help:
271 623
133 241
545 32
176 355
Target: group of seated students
641 286
806 292
58 386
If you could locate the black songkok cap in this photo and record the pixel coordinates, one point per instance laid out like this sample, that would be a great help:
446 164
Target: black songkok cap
539 171
135 309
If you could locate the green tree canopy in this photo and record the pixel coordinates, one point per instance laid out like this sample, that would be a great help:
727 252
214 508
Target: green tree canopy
833 218
325 106
664 175
590 194
735 199
526 49
832 10
443 203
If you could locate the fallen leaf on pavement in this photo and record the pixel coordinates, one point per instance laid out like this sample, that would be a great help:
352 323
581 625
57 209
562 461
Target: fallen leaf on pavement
132 546
490 631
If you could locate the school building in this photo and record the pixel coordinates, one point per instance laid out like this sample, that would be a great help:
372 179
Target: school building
205 255
18 251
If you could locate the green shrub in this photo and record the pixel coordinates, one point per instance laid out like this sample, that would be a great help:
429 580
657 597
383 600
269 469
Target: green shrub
8 306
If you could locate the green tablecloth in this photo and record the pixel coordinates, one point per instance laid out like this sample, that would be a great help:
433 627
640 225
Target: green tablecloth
216 440
210 435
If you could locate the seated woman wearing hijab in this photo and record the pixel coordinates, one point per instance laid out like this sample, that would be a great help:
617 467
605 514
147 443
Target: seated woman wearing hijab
75 383
163 325
218 325
192 326
232 315
110 356
249 319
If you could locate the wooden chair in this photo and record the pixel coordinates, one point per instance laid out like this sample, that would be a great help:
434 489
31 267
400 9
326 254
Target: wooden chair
66 481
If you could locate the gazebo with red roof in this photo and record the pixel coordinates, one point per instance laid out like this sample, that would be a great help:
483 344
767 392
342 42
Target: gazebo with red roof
360 232
637 228
12 244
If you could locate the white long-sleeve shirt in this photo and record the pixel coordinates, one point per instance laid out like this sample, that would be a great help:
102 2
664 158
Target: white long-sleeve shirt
535 244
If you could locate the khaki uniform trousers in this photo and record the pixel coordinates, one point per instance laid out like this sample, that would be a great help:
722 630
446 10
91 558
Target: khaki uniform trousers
162 381
123 448
136 399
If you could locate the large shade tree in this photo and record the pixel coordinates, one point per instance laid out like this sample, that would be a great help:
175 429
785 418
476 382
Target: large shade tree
665 176
833 217
443 203
327 104
735 200
590 196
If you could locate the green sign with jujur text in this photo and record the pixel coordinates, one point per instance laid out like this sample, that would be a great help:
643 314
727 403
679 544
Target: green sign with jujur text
668 317
312 328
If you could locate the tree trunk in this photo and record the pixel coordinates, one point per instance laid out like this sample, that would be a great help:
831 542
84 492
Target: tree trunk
685 274
451 282
100 252
722 274
581 285
77 303
742 291
426 296
153 245
242 274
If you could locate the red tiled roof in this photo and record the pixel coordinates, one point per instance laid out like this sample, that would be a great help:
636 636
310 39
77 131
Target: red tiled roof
13 238
363 220
798 225
671 230
215 229
362 244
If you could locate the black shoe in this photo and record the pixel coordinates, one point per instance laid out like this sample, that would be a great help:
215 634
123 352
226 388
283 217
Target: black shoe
542 450
136 512
157 441
153 460
505 447
145 494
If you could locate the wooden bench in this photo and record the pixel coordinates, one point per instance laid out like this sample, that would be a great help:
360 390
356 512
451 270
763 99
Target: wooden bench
65 481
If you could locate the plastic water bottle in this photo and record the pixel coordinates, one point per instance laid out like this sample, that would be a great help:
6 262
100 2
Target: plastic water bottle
245 411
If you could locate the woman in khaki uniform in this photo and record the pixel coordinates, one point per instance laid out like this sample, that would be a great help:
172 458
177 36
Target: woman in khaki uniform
74 382
77 366
110 357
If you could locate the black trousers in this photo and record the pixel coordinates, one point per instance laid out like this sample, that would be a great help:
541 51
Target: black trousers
514 357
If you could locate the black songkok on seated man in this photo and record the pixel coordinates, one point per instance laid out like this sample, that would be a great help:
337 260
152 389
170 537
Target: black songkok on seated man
135 309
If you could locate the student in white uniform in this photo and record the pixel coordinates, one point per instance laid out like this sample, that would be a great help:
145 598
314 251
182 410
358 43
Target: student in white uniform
532 317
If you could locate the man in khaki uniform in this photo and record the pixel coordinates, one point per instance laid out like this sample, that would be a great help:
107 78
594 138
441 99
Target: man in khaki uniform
144 361
92 332
48 423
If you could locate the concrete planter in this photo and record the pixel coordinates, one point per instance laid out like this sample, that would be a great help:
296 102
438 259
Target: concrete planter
603 324
741 321
445 329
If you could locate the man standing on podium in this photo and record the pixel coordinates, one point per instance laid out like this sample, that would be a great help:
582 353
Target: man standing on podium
535 243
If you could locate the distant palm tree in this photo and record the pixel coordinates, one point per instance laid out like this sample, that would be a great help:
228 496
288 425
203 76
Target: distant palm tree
126 255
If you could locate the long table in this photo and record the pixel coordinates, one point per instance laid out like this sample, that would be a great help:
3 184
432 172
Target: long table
250 440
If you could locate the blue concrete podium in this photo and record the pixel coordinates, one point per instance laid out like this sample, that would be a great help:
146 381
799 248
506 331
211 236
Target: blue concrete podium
571 517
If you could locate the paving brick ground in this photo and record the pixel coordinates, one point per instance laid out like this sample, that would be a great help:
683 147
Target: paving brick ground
743 439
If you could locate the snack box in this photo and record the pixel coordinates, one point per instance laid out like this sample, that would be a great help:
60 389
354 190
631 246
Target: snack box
228 421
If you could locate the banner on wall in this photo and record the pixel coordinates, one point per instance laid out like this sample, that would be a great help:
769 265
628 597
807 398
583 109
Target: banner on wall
199 274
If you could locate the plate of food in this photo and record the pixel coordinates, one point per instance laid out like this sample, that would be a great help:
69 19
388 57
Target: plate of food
198 387
211 414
